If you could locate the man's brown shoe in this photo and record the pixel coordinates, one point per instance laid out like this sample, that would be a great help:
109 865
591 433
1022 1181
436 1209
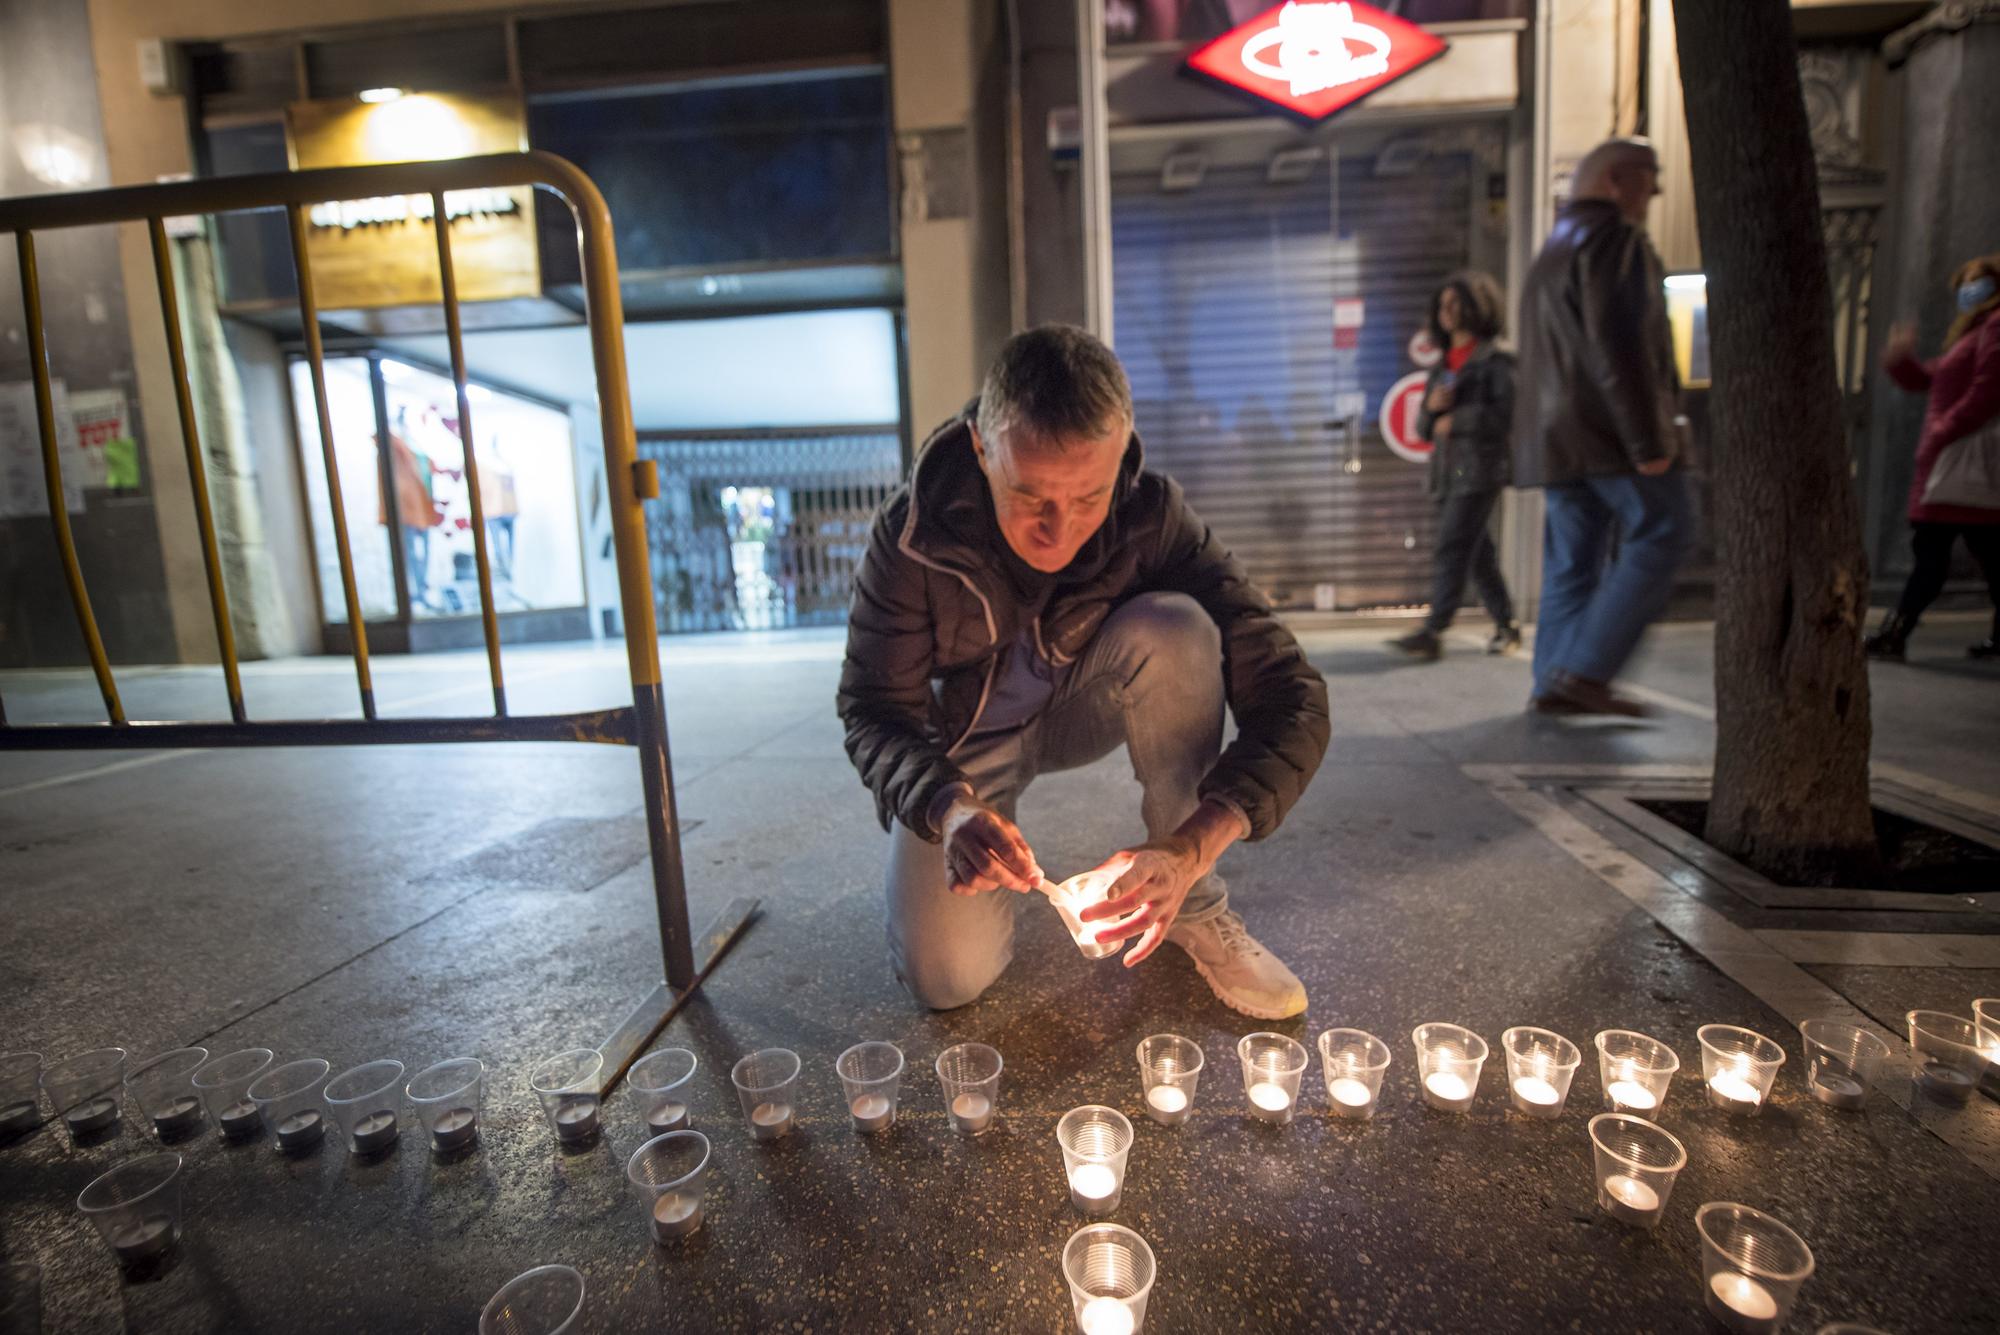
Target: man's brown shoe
1576 696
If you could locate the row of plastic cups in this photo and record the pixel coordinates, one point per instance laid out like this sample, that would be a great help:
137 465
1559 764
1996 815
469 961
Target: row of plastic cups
295 1101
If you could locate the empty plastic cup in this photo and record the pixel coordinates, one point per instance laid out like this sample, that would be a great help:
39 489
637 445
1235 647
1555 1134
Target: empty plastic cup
1169 1069
567 1086
1949 1060
164 1090
871 1077
289 1099
367 1105
1540 1065
1635 1069
1449 1058
85 1089
21 1296
1354 1062
1110 1272
1637 1163
447 1098
1841 1061
20 1093
224 1086
1095 1141
542 1301
670 1173
767 1086
970 1076
1273 1068
1739 1067
136 1208
660 1081
1751 1267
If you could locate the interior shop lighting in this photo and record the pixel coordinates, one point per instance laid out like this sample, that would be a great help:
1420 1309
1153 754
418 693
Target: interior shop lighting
380 94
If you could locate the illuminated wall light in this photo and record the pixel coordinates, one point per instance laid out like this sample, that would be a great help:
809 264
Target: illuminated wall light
1687 282
417 128
380 94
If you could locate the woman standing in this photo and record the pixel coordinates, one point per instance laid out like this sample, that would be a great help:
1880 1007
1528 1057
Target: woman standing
1468 416
1964 389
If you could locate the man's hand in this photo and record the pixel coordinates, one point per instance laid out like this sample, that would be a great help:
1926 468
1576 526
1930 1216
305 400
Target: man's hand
1901 345
983 850
1441 429
1653 467
1441 398
1150 893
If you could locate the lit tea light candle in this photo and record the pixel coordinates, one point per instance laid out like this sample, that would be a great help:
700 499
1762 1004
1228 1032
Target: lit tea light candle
375 1132
1447 1091
1093 1187
768 1121
239 1120
971 1113
1106 1316
872 1113
1630 1096
455 1129
1167 1104
576 1118
298 1130
142 1239
1629 1199
178 1118
1351 1097
18 1117
675 1215
1537 1097
91 1115
1271 1101
1734 1092
1741 1303
669 1116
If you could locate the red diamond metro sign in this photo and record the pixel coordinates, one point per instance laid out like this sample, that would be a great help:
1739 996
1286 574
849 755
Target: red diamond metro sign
1309 60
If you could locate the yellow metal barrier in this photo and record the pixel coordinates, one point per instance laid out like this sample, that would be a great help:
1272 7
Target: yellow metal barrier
641 725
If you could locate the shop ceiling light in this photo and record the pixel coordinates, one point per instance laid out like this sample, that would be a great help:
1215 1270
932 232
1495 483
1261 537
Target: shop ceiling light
1310 60
1182 171
1289 166
381 94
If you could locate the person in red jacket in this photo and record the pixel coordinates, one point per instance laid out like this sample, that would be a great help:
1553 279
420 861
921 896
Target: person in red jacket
1964 390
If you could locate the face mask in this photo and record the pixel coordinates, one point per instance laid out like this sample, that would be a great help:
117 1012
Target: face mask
1976 292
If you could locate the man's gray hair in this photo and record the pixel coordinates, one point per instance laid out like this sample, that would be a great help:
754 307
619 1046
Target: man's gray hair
1592 178
1055 385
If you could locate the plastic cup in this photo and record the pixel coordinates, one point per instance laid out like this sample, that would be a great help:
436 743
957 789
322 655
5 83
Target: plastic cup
1540 1065
136 1208
84 1090
1635 1070
1751 1267
567 1086
1095 1141
1739 1066
1110 1272
367 1104
1354 1063
660 1081
1449 1058
1637 1164
670 1174
542 1301
290 1099
1085 890
1273 1068
767 1086
871 1076
1841 1061
21 1292
1169 1069
224 1086
164 1090
447 1098
970 1075
1986 1020
20 1094
1949 1061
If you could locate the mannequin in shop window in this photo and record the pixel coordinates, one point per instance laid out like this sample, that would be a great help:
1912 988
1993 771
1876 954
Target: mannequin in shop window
417 510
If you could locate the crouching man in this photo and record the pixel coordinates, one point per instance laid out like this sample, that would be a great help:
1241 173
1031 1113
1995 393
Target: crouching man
1032 598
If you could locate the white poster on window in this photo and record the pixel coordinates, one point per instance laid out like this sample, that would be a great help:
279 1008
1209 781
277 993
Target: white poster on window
101 433
22 491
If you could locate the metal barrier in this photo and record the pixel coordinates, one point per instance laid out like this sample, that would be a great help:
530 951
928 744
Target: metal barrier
642 724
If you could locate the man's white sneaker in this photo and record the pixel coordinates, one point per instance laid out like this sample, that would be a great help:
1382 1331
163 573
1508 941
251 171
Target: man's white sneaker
1247 977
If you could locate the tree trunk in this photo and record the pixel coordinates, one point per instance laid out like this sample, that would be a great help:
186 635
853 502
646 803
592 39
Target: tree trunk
1791 683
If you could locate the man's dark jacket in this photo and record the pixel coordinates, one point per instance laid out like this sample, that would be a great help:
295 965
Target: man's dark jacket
1597 391
1476 457
933 611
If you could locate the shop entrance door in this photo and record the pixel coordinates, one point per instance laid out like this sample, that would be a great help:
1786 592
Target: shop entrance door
1267 285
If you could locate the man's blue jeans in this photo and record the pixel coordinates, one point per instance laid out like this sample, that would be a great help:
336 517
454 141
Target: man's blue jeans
1593 610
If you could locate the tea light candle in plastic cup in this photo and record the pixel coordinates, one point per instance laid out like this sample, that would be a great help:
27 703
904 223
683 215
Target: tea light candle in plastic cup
223 1084
542 1301
1540 1065
1169 1069
290 1100
969 1074
1635 1070
1841 1061
1637 1164
1095 1141
871 1077
1739 1066
567 1086
20 1093
1986 1023
1273 1068
670 1175
365 1103
1354 1062
136 1207
1949 1059
1082 891
767 1087
84 1090
164 1090
1752 1267
1449 1058
447 1098
660 1080
1110 1272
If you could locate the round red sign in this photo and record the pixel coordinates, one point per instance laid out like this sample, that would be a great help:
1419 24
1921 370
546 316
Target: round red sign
1400 407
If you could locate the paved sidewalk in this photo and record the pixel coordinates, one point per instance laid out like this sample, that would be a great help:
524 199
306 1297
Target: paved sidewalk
420 903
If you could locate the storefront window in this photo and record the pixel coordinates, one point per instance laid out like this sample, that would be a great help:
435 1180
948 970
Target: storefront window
1202 20
350 402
